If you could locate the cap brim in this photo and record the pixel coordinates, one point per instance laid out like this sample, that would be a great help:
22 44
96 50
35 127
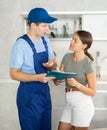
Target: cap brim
49 20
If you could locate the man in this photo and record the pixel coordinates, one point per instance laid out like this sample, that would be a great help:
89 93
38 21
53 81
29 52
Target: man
31 57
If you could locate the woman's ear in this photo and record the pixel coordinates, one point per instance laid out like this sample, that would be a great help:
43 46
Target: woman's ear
85 46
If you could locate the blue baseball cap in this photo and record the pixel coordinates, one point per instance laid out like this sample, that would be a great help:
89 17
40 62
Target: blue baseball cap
40 15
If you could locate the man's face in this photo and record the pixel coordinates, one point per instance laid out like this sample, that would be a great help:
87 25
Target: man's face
41 29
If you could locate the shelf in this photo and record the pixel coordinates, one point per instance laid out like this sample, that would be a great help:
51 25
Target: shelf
79 13
64 27
70 21
69 39
60 39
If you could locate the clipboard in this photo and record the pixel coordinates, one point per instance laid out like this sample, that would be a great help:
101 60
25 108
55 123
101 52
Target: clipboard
61 75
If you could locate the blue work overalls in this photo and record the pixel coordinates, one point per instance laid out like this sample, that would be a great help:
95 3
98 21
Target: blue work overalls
33 98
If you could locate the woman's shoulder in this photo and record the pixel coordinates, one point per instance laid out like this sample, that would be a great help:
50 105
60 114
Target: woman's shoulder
88 60
89 65
69 54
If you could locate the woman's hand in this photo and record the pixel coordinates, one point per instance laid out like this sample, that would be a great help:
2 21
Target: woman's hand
72 82
57 82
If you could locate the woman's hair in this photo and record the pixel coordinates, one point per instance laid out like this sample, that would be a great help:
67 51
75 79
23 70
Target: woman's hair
86 38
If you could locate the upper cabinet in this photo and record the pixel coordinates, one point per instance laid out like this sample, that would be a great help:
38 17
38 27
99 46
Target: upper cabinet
69 22
65 26
96 24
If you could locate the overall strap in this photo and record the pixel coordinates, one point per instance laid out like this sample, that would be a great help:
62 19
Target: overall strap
28 40
45 43
25 37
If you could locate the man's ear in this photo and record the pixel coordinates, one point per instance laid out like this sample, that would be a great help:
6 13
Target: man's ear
32 24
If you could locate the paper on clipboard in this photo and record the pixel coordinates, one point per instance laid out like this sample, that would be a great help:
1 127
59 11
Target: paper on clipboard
61 75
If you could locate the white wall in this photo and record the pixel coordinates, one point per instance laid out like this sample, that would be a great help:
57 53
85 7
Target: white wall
10 29
12 26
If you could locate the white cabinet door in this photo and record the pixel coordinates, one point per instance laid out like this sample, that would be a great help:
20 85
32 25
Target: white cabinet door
97 25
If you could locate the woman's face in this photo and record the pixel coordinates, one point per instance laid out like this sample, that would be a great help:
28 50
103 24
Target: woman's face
76 44
41 29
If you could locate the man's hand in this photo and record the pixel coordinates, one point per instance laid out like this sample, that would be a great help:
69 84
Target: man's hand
50 65
42 78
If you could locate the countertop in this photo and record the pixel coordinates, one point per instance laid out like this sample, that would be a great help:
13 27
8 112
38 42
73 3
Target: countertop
100 80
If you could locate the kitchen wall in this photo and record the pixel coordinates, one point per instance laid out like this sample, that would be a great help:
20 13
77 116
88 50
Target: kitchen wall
11 27
63 45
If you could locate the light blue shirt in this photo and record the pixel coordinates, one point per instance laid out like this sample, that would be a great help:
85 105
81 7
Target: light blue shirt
22 56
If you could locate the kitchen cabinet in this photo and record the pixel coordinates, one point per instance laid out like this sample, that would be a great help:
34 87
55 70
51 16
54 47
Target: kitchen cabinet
100 117
96 24
8 105
93 21
69 22
64 27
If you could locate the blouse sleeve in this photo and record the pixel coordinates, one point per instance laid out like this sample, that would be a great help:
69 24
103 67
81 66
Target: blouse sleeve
90 68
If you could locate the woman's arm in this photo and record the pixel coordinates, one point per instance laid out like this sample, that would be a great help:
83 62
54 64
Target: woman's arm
90 90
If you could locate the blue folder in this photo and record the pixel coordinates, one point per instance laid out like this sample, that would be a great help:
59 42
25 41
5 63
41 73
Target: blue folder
61 75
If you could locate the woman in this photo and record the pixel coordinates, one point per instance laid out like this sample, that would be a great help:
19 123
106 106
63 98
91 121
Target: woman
31 55
79 109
